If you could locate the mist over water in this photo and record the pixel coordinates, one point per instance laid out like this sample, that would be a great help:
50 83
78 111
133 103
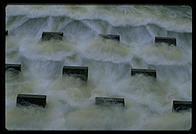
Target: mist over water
70 101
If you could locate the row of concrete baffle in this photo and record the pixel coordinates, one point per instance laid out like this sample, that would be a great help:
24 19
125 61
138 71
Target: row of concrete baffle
82 73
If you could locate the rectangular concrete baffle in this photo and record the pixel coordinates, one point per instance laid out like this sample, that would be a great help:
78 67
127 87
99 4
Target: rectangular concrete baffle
76 71
148 72
169 41
109 101
110 36
52 35
6 32
13 66
181 105
29 99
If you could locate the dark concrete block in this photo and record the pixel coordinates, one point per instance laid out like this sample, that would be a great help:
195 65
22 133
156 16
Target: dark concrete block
147 72
52 35
110 36
13 66
28 99
76 71
6 32
169 41
109 101
181 105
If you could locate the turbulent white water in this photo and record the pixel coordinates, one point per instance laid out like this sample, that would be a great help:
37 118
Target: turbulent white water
71 102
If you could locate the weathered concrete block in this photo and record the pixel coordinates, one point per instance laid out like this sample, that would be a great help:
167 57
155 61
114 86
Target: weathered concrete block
110 36
52 35
13 66
147 72
169 41
76 71
28 99
181 105
109 101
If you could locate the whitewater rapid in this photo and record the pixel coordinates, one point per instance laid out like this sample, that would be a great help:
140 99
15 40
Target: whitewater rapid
70 101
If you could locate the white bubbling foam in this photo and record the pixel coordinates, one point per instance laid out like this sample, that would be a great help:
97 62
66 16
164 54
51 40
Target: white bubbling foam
115 15
70 101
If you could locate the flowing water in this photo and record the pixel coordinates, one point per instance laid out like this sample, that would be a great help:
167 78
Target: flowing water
70 101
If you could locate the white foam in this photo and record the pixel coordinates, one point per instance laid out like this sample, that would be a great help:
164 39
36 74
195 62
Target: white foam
70 101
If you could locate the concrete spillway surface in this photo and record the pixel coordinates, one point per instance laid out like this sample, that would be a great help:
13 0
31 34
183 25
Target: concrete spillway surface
31 99
12 67
146 72
52 36
108 101
110 36
71 38
179 106
76 71
168 40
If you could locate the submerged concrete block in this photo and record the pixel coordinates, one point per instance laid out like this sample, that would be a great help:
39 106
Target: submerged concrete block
52 35
181 105
109 101
169 41
13 66
29 99
6 32
110 36
147 72
76 71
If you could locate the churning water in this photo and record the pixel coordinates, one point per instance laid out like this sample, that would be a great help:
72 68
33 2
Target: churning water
70 101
